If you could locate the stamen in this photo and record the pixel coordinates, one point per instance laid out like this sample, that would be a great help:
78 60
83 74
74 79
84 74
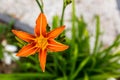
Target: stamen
41 42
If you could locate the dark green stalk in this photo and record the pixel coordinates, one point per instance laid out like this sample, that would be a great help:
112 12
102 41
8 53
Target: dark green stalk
62 17
65 4
41 9
40 6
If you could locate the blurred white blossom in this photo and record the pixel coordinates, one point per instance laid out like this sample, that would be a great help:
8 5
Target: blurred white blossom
10 48
9 53
7 58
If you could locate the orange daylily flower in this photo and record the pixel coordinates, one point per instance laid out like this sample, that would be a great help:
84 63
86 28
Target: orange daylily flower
41 41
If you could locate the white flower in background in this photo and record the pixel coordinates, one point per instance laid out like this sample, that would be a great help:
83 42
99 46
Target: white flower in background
10 48
111 78
7 58
9 53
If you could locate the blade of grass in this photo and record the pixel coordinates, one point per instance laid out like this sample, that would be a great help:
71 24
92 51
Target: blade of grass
97 35
80 67
107 50
74 59
103 76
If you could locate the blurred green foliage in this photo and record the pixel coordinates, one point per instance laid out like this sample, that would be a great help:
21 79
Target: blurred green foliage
6 34
79 62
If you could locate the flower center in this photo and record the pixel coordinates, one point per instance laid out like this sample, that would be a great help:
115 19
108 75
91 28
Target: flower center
41 42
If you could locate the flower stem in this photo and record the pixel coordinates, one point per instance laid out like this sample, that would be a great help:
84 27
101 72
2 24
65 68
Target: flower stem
62 17
65 4
40 6
73 21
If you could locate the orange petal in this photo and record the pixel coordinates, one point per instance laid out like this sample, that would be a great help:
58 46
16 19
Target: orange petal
56 46
42 59
55 32
41 24
23 35
27 50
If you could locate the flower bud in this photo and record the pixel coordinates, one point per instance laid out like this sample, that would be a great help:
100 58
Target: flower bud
67 2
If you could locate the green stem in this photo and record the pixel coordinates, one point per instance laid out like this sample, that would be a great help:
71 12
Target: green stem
73 22
40 6
62 17
65 4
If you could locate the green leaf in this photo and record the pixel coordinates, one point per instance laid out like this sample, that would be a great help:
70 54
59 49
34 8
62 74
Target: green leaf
81 27
97 35
25 76
82 38
21 42
106 51
80 67
74 59
103 76
55 22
